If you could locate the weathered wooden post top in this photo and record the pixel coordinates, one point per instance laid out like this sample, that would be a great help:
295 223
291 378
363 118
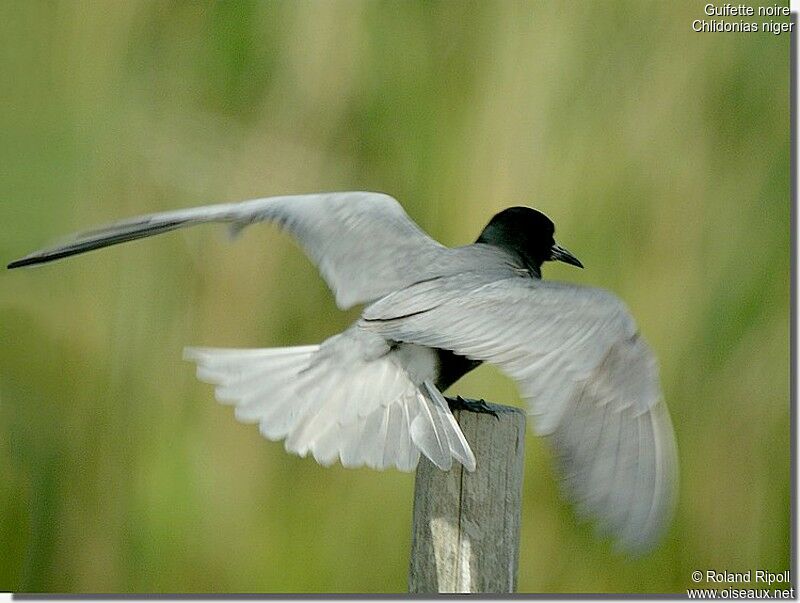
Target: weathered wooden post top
466 524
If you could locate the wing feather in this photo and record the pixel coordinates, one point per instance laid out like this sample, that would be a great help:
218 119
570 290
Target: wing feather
589 378
363 243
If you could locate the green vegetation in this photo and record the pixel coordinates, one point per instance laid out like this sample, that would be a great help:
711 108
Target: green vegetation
661 154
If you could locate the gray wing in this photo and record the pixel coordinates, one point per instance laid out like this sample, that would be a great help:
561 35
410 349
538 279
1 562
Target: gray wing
590 381
364 244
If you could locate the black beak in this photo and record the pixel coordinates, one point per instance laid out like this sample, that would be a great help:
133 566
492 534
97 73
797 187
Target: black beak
558 253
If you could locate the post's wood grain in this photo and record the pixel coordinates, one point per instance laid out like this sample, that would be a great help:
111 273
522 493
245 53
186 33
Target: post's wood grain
466 525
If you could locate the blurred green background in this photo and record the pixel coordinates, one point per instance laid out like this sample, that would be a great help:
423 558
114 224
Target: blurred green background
661 154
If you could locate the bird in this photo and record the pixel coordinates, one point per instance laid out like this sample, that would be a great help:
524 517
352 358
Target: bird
372 395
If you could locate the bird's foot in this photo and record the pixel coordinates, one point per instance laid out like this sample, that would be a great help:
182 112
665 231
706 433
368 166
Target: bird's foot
459 403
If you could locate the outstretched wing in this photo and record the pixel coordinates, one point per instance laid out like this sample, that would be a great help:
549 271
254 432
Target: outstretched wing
364 244
589 378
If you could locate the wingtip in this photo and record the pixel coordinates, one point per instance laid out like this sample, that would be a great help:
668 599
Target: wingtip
35 259
17 264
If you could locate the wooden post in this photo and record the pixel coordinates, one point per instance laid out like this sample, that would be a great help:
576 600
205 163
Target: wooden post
466 525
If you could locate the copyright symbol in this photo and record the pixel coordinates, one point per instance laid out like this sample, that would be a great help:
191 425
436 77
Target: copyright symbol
697 576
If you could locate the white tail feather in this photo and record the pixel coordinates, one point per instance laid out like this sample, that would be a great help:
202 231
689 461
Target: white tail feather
459 447
360 412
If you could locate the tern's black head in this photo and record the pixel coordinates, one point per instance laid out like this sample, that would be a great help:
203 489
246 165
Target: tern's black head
528 233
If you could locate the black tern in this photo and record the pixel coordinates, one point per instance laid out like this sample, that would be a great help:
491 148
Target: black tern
372 395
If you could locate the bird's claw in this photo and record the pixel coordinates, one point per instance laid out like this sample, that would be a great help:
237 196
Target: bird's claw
479 406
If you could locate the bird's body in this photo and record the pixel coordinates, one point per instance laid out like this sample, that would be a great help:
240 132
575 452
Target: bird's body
372 395
451 367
